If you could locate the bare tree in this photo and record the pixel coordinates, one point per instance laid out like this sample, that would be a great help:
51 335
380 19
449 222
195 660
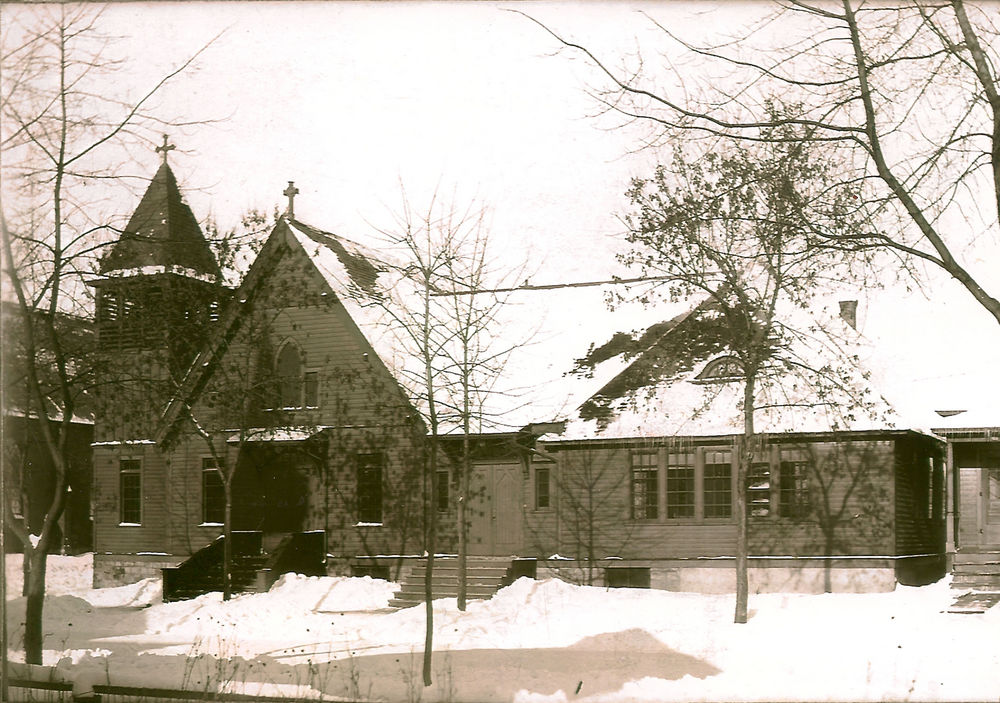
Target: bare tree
739 230
591 495
56 127
476 354
907 96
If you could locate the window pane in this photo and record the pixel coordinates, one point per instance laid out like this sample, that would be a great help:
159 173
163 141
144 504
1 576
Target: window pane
290 377
213 494
680 486
794 489
311 389
130 491
718 490
441 491
541 486
369 488
645 486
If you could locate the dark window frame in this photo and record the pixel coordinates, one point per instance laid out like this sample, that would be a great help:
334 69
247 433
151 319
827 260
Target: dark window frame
543 486
681 486
645 483
717 481
794 498
369 497
441 490
210 500
129 483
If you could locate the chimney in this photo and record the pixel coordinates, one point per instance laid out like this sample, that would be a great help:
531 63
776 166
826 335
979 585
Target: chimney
849 312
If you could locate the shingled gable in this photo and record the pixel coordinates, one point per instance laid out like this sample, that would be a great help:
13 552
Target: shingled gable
355 278
162 235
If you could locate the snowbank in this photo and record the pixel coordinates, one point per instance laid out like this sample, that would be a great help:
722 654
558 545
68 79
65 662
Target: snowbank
534 641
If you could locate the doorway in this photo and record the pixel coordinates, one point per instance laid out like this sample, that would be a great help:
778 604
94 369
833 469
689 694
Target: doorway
495 506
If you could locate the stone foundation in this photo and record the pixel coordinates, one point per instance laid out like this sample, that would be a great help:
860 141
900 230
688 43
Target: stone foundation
120 569
764 575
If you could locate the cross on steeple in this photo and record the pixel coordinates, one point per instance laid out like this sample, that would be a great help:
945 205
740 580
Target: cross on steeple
165 148
290 192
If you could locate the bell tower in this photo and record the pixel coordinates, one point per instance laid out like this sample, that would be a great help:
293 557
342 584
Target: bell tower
158 293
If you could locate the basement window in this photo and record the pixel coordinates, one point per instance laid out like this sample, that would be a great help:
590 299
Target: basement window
627 576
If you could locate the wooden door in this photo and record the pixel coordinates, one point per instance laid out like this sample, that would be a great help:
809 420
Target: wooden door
992 507
494 515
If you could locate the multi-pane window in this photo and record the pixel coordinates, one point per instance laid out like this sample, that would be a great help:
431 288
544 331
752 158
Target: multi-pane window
542 499
369 488
213 494
130 491
441 487
718 485
297 388
645 486
759 489
289 377
793 499
680 485
310 389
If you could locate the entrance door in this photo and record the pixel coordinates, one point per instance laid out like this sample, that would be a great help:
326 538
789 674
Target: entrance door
992 507
494 514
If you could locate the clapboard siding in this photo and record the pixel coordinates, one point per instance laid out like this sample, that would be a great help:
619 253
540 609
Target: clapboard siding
850 485
109 535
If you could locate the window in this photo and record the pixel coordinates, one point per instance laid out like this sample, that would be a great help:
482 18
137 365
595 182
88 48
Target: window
310 389
375 571
542 487
213 494
718 485
759 489
645 486
130 491
627 576
370 488
793 499
680 486
726 368
289 376
441 491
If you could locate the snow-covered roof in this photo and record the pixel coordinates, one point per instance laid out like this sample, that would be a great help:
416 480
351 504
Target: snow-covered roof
791 396
540 332
547 330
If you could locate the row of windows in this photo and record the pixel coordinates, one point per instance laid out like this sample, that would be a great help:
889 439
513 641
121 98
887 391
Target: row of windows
213 496
708 475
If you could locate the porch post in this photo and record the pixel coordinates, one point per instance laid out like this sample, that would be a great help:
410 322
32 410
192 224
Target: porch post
950 505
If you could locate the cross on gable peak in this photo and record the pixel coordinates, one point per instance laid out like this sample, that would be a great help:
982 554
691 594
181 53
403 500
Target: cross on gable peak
164 148
290 192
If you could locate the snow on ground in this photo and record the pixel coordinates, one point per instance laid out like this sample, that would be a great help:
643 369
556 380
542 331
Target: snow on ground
534 641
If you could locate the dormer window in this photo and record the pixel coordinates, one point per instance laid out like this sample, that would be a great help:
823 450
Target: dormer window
721 370
298 387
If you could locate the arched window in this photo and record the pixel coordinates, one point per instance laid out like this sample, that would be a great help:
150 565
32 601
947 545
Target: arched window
725 368
289 370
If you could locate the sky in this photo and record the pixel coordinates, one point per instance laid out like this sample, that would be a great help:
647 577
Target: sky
359 103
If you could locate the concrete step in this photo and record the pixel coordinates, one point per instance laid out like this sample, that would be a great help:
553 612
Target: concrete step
982 567
982 582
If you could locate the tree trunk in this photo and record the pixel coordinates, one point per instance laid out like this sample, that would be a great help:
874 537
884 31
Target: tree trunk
463 492
429 573
742 471
35 592
227 541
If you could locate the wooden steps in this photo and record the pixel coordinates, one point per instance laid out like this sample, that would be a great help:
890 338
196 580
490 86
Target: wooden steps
977 568
484 577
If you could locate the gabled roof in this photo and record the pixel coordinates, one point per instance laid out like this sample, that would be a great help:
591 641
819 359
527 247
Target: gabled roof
660 394
162 234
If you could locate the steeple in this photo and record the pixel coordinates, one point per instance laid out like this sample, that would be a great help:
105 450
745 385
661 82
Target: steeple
163 233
